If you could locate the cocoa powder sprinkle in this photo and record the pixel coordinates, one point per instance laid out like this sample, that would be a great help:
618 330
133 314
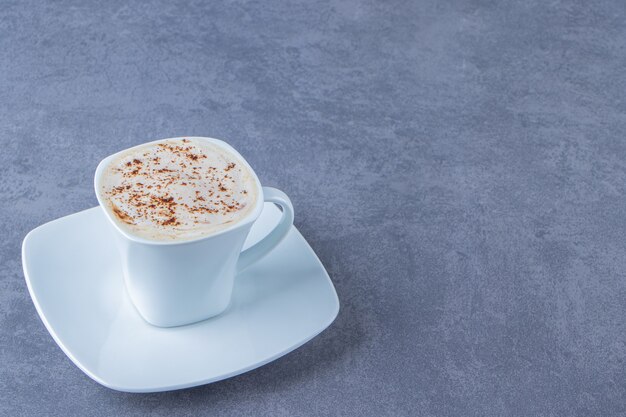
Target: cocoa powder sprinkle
147 188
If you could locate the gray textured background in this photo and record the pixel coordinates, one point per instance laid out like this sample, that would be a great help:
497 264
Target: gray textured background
459 167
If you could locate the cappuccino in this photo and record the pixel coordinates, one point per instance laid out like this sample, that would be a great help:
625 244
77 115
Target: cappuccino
177 189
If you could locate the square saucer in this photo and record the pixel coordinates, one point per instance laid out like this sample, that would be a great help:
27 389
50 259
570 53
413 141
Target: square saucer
75 279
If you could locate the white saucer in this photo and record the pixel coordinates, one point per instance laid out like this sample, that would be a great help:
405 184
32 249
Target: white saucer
74 278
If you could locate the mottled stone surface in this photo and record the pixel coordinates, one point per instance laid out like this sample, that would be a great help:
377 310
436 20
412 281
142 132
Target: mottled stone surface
459 167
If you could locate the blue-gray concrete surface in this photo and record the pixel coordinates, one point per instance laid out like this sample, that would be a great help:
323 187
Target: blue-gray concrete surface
459 167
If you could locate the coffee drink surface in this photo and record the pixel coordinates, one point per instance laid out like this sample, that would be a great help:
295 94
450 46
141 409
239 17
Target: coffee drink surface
177 189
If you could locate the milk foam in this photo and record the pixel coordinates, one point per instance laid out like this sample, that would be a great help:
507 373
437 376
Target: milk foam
177 189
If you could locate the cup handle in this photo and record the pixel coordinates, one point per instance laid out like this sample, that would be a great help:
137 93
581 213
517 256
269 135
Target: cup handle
269 242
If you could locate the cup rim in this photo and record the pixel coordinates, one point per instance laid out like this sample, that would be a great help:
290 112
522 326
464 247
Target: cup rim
248 219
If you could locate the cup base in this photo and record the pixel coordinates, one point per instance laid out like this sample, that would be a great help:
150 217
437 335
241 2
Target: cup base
170 320
180 323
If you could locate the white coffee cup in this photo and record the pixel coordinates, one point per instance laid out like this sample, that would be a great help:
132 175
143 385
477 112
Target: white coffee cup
172 283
